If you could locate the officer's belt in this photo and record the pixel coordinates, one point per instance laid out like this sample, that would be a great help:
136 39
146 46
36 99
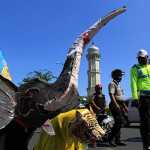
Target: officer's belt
120 101
145 92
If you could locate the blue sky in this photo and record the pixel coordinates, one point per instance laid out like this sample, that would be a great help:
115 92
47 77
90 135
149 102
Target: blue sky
35 34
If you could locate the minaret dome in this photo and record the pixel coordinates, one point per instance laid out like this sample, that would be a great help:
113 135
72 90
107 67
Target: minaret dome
93 49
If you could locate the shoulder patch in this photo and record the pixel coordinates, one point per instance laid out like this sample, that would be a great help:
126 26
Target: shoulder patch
113 85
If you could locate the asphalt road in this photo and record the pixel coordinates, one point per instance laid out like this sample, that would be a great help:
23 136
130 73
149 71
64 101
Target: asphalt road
130 135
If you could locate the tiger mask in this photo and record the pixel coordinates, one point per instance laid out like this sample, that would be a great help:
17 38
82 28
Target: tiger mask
85 128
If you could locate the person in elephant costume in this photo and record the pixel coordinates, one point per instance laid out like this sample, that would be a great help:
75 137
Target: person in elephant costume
25 108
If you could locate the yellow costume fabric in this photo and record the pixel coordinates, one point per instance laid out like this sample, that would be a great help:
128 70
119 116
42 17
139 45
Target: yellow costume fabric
62 140
5 73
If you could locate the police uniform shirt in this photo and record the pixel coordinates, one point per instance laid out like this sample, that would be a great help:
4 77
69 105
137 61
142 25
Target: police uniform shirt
116 89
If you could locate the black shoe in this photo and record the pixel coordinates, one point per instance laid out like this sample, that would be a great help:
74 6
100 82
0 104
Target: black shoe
112 143
121 143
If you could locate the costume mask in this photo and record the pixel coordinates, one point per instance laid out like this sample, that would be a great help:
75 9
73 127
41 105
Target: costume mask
85 128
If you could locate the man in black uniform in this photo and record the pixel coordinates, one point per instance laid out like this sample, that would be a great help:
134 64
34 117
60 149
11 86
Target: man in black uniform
98 101
116 106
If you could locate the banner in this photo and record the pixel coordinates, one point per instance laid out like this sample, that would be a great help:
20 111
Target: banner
3 67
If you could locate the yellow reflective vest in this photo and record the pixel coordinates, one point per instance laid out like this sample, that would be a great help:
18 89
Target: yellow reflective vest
140 80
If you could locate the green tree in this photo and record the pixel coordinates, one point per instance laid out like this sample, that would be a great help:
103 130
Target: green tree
43 74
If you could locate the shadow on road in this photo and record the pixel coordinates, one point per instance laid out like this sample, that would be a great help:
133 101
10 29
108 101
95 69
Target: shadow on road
99 144
134 139
106 144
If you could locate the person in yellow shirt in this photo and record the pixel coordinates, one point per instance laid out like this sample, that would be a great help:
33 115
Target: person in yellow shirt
73 131
140 88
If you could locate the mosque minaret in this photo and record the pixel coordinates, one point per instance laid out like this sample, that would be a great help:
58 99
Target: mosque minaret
93 72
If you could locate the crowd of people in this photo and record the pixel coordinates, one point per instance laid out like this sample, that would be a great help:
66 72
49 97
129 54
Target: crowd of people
116 105
140 88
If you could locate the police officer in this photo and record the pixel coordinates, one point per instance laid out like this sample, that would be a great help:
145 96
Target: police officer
140 88
98 101
116 106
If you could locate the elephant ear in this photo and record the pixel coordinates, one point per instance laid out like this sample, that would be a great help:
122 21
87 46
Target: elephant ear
7 102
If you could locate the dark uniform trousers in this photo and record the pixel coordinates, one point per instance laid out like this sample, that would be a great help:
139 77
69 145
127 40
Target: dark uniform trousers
118 121
144 112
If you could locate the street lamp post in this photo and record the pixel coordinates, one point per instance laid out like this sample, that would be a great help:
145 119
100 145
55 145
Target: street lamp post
59 63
